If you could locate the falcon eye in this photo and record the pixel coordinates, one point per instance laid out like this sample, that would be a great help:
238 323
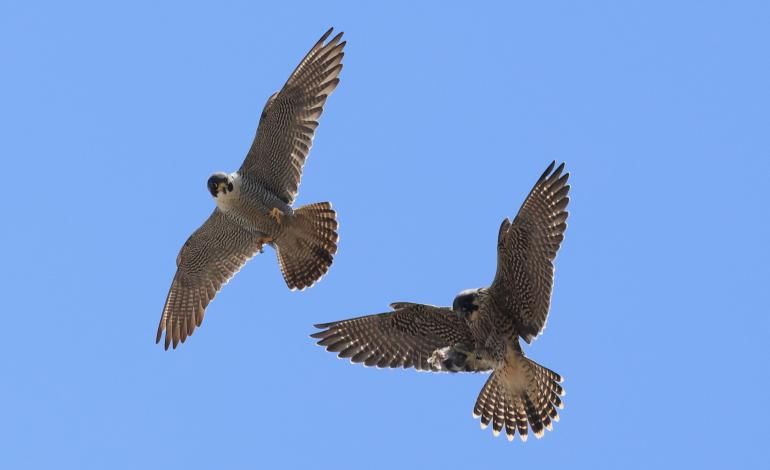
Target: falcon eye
229 186
212 186
464 303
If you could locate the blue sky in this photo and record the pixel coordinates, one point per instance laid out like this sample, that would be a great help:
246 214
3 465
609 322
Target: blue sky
113 117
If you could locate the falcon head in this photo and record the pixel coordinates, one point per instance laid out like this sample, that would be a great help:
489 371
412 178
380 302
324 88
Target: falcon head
466 303
220 183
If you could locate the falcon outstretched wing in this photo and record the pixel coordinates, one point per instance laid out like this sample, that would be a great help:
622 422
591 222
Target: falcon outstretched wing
208 259
526 249
405 337
290 118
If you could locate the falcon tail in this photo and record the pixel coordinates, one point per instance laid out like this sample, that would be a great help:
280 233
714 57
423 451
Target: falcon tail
519 393
306 250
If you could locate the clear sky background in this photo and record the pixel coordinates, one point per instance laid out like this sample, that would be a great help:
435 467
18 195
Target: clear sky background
113 117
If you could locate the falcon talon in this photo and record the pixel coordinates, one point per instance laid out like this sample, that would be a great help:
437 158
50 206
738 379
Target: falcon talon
262 242
483 329
241 222
276 214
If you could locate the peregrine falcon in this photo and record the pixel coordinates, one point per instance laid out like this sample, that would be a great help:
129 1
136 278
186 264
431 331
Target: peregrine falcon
481 331
254 204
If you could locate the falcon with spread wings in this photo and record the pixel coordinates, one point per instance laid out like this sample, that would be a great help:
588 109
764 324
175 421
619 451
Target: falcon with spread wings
254 204
481 332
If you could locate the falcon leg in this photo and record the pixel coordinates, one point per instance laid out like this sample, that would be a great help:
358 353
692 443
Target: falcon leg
262 242
448 359
276 214
455 361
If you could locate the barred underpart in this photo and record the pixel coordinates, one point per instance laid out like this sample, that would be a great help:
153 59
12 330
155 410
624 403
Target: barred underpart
271 171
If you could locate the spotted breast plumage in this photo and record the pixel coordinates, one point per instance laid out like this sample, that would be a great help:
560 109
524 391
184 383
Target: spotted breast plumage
480 333
254 204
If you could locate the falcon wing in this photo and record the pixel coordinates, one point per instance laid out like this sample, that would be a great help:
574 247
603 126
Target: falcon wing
208 259
405 337
290 118
526 249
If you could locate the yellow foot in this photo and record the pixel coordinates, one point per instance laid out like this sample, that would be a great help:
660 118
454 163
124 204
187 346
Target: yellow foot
262 241
276 214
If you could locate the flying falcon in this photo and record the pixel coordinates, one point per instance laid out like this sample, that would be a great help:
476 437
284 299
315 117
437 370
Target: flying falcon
481 331
254 204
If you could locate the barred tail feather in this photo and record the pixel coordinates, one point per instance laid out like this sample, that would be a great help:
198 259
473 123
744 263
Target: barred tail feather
307 250
519 395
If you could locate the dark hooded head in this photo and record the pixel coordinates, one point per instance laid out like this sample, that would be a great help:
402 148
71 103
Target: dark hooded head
219 183
466 302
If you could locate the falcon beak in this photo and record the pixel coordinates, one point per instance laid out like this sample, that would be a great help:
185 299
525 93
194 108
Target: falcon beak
222 186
